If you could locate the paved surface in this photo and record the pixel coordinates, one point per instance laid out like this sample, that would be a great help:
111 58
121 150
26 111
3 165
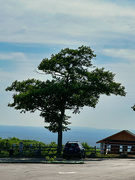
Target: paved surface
94 169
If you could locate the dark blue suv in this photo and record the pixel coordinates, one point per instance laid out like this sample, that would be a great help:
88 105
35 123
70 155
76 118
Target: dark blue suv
73 149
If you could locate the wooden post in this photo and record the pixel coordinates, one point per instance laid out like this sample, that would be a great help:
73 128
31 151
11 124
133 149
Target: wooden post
95 149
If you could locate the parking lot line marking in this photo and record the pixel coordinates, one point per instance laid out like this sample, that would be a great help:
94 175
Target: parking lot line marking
67 172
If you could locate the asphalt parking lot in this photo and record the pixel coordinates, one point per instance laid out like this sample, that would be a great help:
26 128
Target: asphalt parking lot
94 169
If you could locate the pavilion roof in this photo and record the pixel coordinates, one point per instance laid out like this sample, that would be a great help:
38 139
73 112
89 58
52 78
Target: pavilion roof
124 136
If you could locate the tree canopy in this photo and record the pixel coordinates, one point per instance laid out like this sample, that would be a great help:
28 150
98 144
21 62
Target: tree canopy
75 83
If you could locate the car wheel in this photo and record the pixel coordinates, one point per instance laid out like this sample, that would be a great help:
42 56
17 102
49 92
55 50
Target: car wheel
80 156
83 155
64 157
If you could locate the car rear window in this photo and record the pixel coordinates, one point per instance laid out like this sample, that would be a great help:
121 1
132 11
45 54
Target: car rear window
71 145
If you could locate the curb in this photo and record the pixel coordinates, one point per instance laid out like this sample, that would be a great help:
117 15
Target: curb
45 162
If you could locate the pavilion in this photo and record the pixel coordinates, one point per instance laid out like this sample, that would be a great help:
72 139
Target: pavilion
121 142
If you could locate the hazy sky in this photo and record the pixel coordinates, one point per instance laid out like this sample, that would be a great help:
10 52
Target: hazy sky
31 30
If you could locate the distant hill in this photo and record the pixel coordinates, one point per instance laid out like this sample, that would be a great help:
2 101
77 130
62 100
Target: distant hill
82 134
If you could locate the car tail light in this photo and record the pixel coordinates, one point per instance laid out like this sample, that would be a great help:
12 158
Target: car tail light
77 148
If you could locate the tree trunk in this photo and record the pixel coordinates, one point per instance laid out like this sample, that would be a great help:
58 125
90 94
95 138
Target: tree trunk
59 148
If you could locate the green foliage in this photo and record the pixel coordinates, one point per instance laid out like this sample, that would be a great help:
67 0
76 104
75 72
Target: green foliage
50 158
86 145
89 149
47 158
30 148
53 144
133 107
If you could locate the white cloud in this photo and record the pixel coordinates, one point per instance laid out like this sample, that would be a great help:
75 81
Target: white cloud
64 22
122 63
15 56
79 8
124 54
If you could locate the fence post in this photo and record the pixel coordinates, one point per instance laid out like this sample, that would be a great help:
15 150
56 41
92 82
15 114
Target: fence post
39 150
21 148
95 149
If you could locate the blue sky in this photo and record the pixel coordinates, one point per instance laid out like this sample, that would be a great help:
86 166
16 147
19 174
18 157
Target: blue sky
31 30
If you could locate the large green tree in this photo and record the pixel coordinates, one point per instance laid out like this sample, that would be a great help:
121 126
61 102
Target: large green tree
75 83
